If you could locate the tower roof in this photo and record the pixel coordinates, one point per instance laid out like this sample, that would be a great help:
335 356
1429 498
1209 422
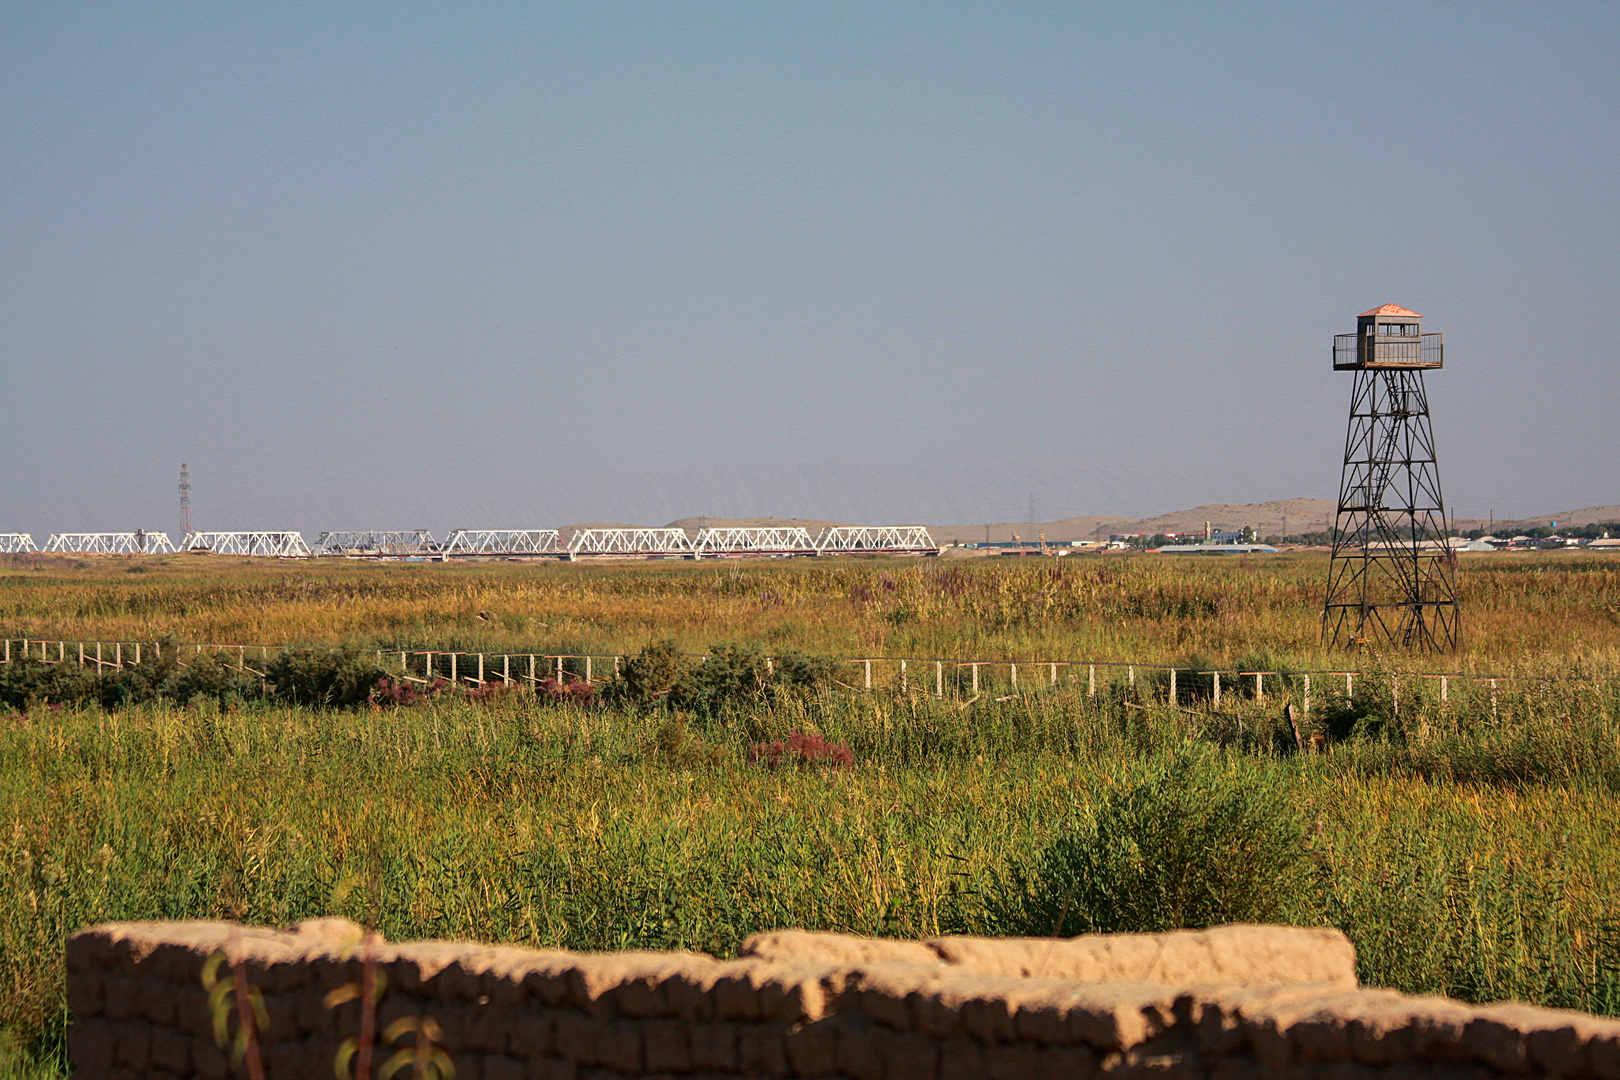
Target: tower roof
1390 309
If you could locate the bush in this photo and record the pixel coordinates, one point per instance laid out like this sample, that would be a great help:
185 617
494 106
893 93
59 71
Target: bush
731 676
340 678
1191 846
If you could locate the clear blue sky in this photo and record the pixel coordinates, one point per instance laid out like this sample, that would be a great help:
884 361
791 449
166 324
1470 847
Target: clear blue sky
382 265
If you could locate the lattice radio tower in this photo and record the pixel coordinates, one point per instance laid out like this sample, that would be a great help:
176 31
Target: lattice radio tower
185 500
1393 578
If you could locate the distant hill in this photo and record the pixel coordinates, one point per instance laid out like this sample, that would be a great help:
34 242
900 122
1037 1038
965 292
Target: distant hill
1276 518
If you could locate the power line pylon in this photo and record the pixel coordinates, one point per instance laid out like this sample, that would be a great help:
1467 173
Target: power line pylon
185 500
1393 576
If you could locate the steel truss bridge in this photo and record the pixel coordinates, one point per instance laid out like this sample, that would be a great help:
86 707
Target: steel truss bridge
116 543
630 542
376 543
894 539
718 542
283 544
501 542
767 541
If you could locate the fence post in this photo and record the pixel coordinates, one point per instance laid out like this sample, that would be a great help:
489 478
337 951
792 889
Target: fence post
8 650
559 671
1493 699
1130 676
1172 686
532 679
939 678
1054 674
98 658
1348 695
453 676
1442 689
1259 686
506 668
427 666
1217 686
61 652
1307 709
1091 680
587 669
902 676
480 669
615 665
868 674
1014 668
81 654
118 655
137 652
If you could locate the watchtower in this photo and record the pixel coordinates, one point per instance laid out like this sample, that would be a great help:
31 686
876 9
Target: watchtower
1393 577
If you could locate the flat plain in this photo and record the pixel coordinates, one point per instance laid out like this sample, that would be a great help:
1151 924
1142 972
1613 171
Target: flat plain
1462 838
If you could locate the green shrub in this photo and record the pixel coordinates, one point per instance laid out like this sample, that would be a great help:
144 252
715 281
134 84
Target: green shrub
1193 845
323 677
731 676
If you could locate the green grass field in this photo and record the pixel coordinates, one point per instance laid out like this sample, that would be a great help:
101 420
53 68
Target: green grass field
1465 845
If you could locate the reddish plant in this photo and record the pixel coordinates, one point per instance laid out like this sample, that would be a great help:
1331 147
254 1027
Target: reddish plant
802 749
404 692
574 693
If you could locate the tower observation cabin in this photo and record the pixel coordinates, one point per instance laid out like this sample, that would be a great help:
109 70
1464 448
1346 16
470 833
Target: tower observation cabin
1388 337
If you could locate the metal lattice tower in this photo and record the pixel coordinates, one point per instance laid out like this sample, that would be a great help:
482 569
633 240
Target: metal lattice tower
1393 577
185 500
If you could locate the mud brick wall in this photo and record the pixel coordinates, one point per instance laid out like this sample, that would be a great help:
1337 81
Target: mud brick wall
1227 1004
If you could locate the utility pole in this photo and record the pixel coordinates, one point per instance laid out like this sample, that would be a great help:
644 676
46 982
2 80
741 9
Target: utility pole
185 501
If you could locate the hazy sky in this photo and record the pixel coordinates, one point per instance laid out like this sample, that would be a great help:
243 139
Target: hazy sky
386 265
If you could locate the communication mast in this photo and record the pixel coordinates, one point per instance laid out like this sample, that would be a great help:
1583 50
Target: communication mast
185 500
1393 577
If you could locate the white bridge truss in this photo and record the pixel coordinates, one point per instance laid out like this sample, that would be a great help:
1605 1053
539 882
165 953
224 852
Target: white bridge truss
897 539
285 544
16 543
631 542
503 542
375 543
752 541
121 543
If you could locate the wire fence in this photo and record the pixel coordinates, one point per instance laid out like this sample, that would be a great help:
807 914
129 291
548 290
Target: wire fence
940 676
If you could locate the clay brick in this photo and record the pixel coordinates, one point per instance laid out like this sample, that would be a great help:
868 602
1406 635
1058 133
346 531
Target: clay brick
1225 955
311 1016
501 1067
1014 1061
468 1066
532 1034
89 951
90 1046
1604 1053
818 948
859 1054
618 1046
761 1049
1499 1038
121 998
208 1060
1066 1063
577 1037
961 1058
156 1003
132 1045
1241 1067
812 1049
665 1046
1560 1048
281 1021
84 993
286 1060
909 1056
171 1051
714 1046
487 1029
552 1069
